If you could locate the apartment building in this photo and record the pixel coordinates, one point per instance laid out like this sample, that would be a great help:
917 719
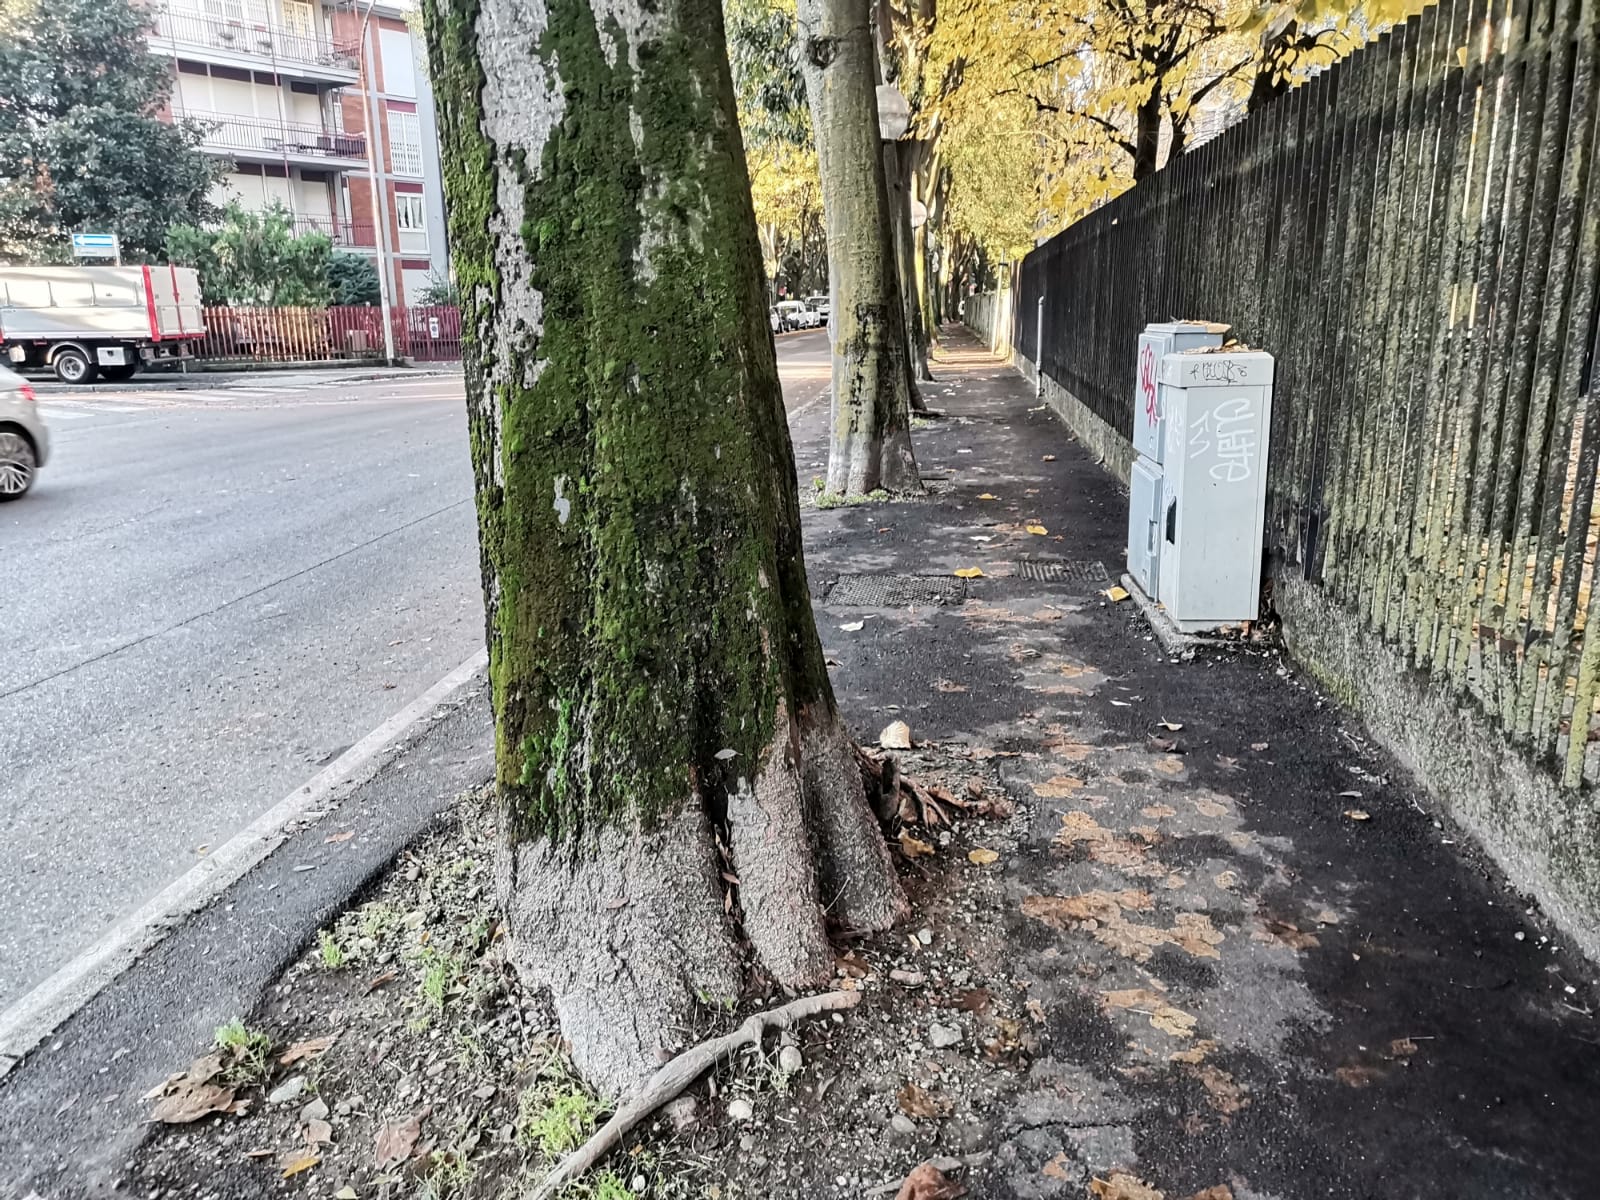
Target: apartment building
288 91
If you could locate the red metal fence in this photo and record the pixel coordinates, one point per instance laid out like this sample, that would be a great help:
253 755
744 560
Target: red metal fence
315 335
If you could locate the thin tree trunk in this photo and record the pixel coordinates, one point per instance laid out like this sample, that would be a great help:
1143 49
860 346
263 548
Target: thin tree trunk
900 157
871 442
657 680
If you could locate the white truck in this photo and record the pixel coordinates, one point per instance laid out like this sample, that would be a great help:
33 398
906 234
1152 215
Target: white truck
84 322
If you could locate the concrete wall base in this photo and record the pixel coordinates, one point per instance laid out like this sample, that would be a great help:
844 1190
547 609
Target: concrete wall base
1113 449
1544 837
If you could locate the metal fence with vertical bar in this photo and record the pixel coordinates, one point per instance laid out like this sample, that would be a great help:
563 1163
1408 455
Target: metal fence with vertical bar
1415 234
242 336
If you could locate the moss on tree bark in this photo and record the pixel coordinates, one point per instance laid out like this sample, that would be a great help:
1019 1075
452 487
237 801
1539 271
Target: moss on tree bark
658 684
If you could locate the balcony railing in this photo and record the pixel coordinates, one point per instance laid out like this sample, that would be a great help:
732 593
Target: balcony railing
262 137
255 40
342 230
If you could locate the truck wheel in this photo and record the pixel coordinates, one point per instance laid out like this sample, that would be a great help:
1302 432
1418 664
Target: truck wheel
72 365
118 374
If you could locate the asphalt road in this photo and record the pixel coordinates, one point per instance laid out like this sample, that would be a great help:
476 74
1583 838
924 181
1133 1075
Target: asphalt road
212 591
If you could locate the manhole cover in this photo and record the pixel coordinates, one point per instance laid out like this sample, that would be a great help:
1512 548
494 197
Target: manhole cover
895 591
1086 572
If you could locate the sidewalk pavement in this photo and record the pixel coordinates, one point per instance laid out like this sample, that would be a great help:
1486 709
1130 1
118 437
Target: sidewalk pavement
1257 964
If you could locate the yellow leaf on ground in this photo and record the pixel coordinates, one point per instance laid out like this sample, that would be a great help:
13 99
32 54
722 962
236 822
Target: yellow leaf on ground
987 496
970 573
913 847
1036 530
982 856
1116 594
895 736
293 1163
1358 814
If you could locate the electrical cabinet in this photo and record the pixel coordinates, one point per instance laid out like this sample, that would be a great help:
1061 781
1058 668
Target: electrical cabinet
1218 416
1155 343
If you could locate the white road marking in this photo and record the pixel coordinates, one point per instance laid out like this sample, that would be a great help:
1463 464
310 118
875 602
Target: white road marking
39 1013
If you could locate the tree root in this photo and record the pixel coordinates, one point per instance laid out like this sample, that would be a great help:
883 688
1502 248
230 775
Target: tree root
896 795
670 1081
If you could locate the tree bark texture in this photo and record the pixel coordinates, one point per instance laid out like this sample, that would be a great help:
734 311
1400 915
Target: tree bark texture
658 685
871 440
900 169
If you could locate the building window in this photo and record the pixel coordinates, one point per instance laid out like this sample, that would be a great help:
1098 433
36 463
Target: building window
405 143
408 213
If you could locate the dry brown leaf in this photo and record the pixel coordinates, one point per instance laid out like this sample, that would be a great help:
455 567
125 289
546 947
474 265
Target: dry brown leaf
306 1050
1129 856
922 1105
913 847
1326 916
1169 765
1222 1092
340 837
378 981
1287 934
1402 1048
947 685
1358 1077
1057 786
1163 1016
982 856
1170 726
296 1161
1056 1168
1079 826
1122 1186
393 1144
1148 833
1226 880
318 1132
190 1102
1174 881
1158 812
927 1182
1358 814
895 736
1207 807
1048 458
1194 933
1195 1054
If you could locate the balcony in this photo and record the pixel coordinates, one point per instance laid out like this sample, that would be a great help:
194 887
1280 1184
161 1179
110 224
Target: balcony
342 230
263 140
253 46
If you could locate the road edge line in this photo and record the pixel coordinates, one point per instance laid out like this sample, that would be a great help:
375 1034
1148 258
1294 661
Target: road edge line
43 1009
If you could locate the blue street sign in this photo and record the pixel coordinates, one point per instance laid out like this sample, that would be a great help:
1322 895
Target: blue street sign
94 245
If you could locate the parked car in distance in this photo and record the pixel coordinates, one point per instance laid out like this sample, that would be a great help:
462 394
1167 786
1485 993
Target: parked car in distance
774 320
24 443
821 304
796 315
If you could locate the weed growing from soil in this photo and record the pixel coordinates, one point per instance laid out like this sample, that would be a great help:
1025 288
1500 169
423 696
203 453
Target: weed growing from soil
333 956
245 1053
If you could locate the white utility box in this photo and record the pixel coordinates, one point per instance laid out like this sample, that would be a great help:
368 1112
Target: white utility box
1214 485
1155 343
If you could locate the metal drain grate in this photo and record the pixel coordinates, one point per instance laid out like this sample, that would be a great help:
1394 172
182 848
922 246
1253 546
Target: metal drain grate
895 591
1085 572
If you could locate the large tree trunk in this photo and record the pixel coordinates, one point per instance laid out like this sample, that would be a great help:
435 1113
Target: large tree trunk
901 158
657 680
871 442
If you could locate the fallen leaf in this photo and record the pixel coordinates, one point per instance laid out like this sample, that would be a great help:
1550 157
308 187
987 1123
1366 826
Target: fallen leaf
1057 786
1289 935
393 1144
1210 808
1056 1168
913 847
1036 530
1170 765
1116 594
969 573
927 1182
1193 1055
1163 1016
725 754
349 1193
895 736
1228 764
318 1132
1349 795
946 685
1402 1048
191 1102
1326 917
853 626
1036 1011
1048 458
1258 747
1170 726
378 981
1122 1186
1194 933
921 1105
295 1161
1358 814
340 837
1061 912
987 496
1226 880
309 1049
258 1153
1157 812
1357 1077
1222 1092
982 857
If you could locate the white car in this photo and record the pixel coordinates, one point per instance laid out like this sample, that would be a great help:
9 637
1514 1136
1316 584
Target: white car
796 315
24 443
